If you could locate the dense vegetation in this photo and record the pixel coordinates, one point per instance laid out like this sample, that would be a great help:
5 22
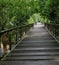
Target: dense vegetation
15 12
18 12
49 10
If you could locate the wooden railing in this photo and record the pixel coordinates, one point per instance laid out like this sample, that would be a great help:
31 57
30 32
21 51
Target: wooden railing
54 29
9 38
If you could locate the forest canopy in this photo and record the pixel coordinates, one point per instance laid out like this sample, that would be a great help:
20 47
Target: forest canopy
20 12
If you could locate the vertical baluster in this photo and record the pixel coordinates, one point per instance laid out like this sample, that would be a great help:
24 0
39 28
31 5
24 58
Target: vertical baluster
1 52
10 41
21 33
16 36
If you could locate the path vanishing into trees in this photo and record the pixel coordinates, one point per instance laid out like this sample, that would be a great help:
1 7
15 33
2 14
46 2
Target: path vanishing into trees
38 48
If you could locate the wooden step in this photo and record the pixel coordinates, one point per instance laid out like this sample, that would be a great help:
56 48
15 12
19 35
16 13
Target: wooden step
35 54
31 58
36 50
39 41
40 62
38 38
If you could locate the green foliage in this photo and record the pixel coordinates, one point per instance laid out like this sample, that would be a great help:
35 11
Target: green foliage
16 12
50 9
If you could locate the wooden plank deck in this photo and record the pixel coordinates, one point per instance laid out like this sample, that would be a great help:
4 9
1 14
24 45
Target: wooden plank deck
39 48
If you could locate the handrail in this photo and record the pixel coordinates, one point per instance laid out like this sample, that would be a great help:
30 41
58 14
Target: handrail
56 26
8 30
52 24
54 30
8 37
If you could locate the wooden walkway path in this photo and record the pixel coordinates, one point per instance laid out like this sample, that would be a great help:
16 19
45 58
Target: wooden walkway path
39 48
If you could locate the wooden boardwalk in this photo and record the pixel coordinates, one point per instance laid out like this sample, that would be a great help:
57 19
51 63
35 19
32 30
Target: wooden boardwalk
39 48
